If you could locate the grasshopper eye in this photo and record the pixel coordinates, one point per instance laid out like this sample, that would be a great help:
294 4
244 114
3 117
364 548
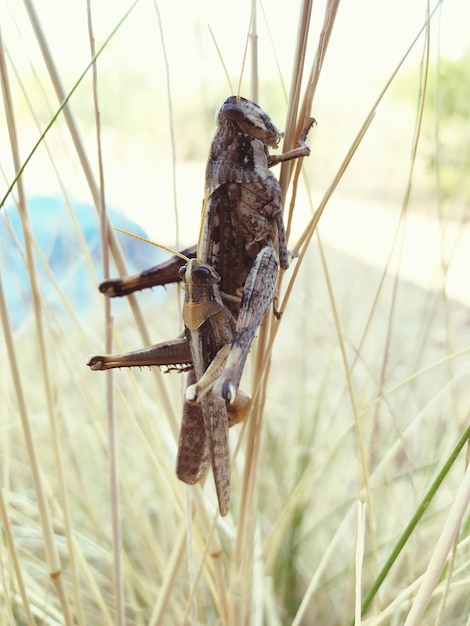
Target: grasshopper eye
182 271
205 274
233 112
202 271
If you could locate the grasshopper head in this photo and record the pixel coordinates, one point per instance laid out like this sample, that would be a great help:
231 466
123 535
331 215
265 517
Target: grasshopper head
195 272
248 118
201 293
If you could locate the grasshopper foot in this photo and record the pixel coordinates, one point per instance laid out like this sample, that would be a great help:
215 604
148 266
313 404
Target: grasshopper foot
96 362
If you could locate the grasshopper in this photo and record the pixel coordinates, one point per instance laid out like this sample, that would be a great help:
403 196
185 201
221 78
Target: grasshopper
228 290
209 325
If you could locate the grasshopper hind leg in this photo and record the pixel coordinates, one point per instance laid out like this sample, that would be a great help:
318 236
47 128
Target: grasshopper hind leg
260 288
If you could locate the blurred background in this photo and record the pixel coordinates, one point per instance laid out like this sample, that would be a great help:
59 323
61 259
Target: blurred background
135 76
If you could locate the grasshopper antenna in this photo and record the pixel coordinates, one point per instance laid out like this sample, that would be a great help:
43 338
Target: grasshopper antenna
251 35
245 51
153 243
221 58
201 226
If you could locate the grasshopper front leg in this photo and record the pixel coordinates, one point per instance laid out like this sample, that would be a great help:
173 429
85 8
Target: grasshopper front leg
301 150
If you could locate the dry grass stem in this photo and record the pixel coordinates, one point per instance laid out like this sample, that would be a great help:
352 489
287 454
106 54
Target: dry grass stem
441 552
348 500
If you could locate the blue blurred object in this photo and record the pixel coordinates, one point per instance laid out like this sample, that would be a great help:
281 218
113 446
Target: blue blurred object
56 237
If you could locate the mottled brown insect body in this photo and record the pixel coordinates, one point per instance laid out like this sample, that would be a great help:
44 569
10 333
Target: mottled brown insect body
228 289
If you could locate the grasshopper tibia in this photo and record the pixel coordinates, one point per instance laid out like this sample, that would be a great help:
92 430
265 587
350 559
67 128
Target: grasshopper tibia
163 274
175 355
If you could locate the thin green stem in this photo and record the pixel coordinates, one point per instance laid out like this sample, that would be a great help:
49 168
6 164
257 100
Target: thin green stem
426 501
64 104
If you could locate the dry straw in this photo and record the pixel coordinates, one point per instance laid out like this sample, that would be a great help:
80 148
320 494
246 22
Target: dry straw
322 526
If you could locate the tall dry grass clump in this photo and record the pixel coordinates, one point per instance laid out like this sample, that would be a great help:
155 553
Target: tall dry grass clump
350 480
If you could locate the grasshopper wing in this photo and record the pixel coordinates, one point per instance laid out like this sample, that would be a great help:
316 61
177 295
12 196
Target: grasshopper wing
216 426
193 459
